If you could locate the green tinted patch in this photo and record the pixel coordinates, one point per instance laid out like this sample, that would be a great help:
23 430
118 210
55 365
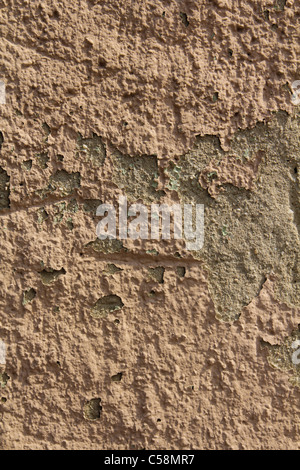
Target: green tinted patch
117 377
92 149
111 269
51 275
105 305
4 190
61 183
27 165
137 176
157 274
249 233
106 246
91 205
180 270
92 409
283 356
28 296
4 378
42 160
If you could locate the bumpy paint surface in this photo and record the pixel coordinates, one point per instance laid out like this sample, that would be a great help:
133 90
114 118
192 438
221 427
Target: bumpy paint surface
110 344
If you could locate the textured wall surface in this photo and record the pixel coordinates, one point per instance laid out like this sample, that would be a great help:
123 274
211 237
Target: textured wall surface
142 344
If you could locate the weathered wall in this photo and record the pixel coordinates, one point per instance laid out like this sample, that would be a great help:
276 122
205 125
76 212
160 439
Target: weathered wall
143 344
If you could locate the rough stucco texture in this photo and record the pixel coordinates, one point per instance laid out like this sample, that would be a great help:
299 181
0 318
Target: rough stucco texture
142 344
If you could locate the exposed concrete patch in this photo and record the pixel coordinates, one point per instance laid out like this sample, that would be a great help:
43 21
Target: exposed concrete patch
281 356
106 246
27 165
91 205
111 269
117 377
28 296
61 183
4 378
92 409
181 271
157 274
137 176
49 276
92 149
4 190
253 232
105 305
42 160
